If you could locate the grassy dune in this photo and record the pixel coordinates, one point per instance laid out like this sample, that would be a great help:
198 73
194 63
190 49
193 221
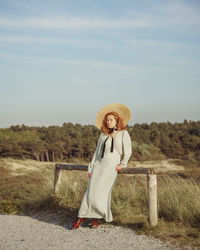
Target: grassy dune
22 185
27 186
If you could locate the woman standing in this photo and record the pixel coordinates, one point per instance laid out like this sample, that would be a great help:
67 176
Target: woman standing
106 162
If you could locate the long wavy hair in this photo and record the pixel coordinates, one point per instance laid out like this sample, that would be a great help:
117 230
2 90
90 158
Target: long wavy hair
119 125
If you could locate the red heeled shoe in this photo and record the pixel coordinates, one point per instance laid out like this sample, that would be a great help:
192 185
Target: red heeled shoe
94 223
77 223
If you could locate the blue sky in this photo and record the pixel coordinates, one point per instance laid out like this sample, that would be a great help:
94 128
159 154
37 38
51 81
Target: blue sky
61 61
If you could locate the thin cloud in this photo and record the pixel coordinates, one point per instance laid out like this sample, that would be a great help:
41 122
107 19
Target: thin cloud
169 13
28 40
80 42
75 23
156 43
180 13
164 48
96 64
153 14
99 23
90 64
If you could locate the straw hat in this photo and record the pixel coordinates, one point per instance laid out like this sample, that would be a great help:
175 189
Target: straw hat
121 109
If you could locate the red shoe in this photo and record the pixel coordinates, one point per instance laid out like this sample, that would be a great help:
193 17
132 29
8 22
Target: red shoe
94 223
77 223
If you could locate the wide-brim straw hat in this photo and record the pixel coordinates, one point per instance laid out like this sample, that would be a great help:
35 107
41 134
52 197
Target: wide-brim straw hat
121 109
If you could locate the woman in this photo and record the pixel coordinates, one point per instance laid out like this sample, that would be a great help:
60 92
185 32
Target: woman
106 163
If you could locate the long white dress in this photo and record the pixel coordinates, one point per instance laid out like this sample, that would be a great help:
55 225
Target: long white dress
96 202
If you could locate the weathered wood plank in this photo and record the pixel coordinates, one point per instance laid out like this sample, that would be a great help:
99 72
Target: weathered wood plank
71 166
136 171
152 199
57 175
123 171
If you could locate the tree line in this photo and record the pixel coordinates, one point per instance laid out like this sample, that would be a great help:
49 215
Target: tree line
63 143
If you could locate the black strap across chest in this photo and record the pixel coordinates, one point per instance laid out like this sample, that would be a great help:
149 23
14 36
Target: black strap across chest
104 144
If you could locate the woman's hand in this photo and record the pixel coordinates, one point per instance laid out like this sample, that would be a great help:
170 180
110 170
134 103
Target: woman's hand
88 175
118 168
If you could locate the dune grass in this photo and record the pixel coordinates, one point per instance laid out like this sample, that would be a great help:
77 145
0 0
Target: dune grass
22 185
178 198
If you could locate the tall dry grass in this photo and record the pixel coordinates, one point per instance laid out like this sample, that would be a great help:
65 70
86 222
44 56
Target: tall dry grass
178 198
22 186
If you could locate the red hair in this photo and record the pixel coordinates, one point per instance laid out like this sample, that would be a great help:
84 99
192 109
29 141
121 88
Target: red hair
119 125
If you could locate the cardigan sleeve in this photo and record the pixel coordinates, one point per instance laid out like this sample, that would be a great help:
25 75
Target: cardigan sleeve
127 145
91 164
